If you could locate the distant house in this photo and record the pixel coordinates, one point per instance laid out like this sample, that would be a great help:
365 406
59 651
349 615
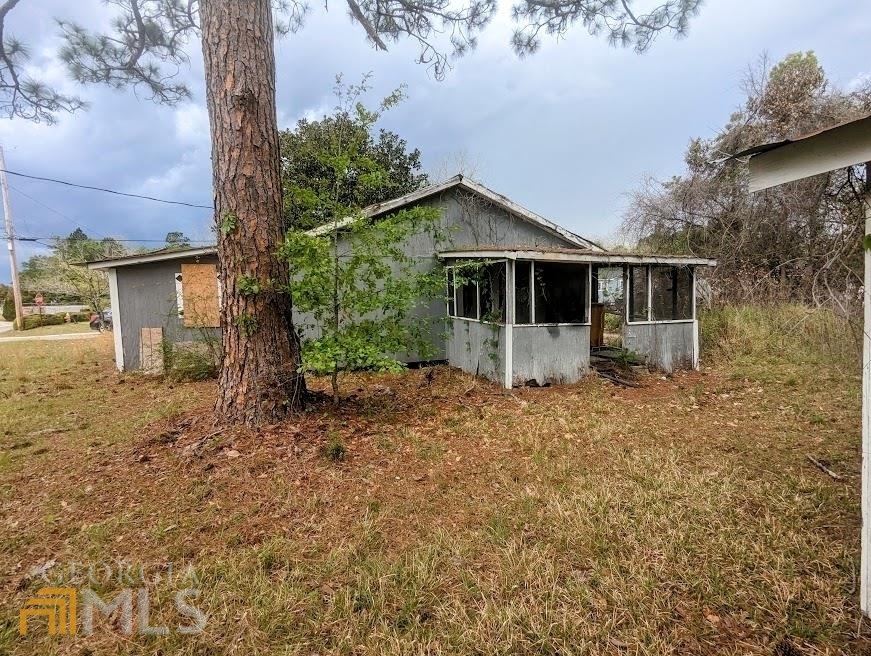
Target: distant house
536 317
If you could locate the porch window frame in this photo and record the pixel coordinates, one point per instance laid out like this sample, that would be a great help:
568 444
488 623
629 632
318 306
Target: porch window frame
587 300
477 318
627 278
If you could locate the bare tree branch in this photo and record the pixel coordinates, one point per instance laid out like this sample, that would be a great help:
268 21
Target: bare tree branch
146 45
22 96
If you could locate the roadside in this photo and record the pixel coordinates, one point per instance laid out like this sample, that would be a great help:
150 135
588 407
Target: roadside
63 331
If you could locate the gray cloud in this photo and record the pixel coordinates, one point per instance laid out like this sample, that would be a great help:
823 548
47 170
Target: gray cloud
567 132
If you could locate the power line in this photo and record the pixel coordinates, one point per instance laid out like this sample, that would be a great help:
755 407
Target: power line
107 191
131 241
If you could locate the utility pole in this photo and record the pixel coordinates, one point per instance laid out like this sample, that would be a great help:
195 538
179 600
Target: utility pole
10 241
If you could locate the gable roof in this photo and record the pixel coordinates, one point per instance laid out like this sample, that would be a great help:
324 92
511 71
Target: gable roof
465 184
458 182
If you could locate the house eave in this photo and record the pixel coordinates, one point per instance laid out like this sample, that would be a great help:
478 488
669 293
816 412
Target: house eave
837 147
132 260
601 257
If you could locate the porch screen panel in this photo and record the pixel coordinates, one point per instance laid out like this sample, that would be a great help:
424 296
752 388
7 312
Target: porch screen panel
467 293
560 292
491 286
608 287
522 288
671 293
452 308
638 293
684 305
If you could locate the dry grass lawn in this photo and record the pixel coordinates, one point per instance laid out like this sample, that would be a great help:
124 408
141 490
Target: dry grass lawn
679 518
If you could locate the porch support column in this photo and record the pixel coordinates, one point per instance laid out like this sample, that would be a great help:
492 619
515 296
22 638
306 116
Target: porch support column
865 566
508 361
696 345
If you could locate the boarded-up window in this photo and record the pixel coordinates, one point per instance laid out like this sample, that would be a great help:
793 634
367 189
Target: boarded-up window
200 295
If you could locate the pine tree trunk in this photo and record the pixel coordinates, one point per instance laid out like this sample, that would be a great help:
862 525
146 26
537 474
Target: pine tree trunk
260 380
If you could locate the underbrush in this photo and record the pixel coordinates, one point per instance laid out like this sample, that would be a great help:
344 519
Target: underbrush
784 333
190 361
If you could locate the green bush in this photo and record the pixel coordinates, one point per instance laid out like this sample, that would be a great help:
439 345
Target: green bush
9 309
335 449
613 322
37 320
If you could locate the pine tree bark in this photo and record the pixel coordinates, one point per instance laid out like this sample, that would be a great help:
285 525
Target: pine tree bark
259 380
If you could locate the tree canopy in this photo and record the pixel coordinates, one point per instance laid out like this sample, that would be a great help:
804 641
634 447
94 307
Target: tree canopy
382 166
801 240
177 241
60 274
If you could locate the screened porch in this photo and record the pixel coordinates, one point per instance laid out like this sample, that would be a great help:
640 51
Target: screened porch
524 317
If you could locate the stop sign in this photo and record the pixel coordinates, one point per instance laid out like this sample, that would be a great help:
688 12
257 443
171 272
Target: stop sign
39 300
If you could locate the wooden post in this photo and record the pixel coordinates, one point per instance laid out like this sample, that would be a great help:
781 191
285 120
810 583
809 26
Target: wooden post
10 244
865 564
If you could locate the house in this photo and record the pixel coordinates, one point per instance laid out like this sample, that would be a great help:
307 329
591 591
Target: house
533 313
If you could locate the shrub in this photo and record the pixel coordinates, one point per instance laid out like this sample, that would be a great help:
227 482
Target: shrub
335 449
37 320
189 361
9 309
613 322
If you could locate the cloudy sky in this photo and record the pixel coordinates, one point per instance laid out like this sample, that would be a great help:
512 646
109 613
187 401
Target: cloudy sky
567 133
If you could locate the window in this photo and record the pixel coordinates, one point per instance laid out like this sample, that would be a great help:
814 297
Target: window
522 298
638 293
477 291
491 286
179 296
671 291
560 292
